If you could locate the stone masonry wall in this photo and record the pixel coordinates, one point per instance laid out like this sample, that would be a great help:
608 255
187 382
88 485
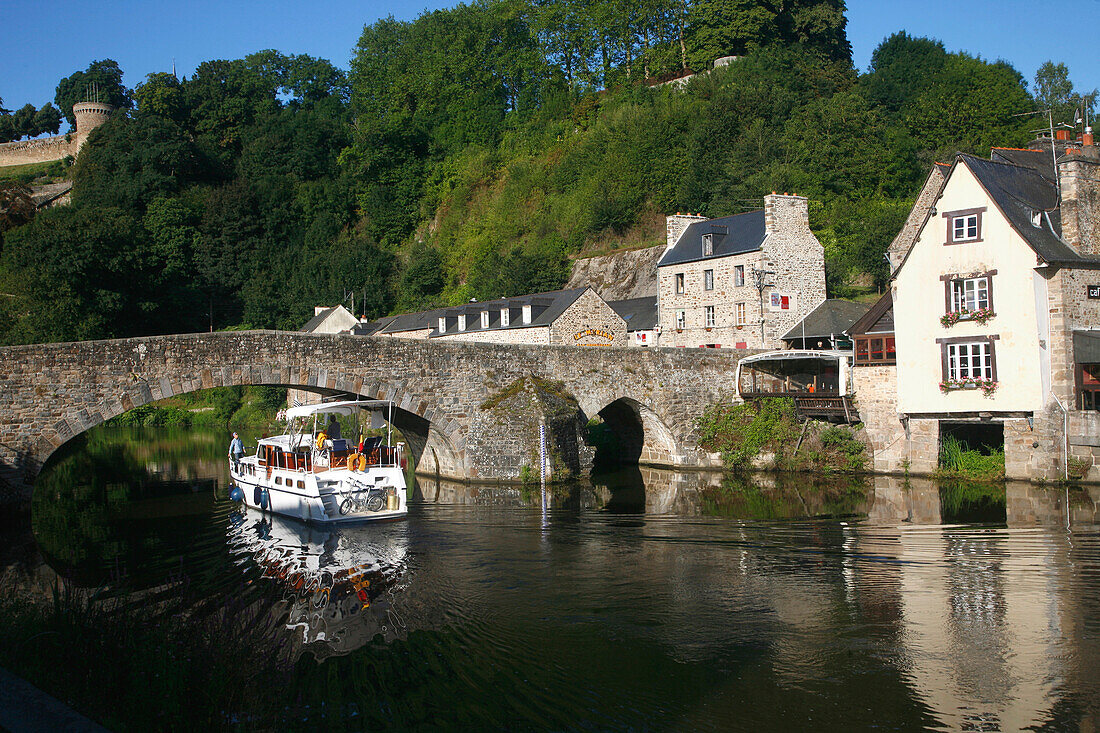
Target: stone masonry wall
1079 175
45 150
534 335
725 297
798 261
587 322
876 398
50 393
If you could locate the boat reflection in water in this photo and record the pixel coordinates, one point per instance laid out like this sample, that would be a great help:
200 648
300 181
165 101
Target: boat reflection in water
337 582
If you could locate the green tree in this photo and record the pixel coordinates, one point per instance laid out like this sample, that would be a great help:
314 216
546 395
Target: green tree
161 94
47 119
102 79
901 68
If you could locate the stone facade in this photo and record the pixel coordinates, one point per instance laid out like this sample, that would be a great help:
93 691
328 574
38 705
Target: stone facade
589 321
743 316
876 397
50 393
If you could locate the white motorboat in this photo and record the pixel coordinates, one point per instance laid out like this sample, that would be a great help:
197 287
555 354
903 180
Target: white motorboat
313 476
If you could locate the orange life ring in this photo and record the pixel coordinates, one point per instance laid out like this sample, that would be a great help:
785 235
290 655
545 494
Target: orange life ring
357 462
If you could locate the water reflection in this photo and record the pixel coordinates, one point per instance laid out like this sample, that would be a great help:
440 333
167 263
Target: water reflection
336 582
719 603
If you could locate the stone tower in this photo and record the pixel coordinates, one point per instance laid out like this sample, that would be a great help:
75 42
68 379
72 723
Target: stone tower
89 115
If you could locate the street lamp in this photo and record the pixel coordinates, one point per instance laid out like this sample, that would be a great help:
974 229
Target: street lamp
759 279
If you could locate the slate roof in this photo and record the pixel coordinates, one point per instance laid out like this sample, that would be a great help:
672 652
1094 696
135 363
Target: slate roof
879 318
1020 192
317 320
833 316
731 235
1038 160
640 314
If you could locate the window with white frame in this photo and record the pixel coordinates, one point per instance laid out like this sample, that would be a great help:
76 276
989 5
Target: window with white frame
462 322
526 314
970 360
681 319
708 245
969 294
739 275
964 225
679 283
442 324
484 319
708 316
739 317
708 279
504 317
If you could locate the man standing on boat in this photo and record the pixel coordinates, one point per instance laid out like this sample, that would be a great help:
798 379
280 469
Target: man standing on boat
236 450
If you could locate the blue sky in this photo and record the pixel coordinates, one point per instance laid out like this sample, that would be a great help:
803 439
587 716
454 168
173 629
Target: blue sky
45 41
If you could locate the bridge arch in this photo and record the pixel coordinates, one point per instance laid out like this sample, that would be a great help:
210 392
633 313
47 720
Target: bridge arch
642 435
51 392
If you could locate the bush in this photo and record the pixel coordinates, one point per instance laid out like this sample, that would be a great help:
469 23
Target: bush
956 457
742 432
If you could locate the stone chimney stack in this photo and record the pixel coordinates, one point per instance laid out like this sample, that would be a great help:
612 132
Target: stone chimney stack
1079 176
786 213
675 224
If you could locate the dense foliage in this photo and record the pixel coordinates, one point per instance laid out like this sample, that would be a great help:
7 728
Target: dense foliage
472 152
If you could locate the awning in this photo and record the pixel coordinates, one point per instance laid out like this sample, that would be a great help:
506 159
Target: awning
340 408
1086 347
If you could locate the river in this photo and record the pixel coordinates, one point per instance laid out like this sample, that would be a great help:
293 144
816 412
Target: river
643 600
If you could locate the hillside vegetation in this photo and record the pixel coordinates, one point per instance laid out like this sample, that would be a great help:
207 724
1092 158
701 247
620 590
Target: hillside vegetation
474 151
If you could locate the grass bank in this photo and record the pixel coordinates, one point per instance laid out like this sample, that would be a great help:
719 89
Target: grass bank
218 407
767 434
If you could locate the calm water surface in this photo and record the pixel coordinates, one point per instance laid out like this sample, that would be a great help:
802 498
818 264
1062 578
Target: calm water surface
645 600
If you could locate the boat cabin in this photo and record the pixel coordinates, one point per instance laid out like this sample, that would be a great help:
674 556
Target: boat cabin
819 382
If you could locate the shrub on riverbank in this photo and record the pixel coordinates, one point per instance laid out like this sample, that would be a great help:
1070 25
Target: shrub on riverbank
766 433
219 407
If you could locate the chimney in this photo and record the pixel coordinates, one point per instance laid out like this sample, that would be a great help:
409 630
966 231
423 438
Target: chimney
1079 176
786 213
675 224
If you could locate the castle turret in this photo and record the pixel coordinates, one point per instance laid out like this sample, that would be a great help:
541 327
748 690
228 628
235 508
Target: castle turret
89 115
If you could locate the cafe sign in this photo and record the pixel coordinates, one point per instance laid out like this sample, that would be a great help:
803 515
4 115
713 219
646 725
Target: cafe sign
1094 292
594 332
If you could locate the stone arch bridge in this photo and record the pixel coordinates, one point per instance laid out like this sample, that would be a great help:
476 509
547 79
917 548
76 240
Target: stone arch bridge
468 410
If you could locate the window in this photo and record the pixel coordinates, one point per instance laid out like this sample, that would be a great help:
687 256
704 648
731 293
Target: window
708 279
462 322
780 302
679 283
708 245
740 314
681 319
484 319
1088 386
504 316
964 226
970 294
739 276
965 360
442 324
875 349
708 316
526 314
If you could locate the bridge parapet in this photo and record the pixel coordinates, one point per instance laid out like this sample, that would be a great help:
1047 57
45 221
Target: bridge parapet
49 393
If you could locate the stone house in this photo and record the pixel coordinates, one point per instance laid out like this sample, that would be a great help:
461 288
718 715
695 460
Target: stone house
739 281
1011 248
640 315
577 317
326 319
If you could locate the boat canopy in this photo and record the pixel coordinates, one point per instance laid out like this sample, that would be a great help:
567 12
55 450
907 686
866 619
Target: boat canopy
347 407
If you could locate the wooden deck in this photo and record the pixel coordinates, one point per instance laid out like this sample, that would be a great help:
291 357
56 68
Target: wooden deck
814 404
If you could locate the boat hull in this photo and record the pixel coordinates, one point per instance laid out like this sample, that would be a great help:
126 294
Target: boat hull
320 498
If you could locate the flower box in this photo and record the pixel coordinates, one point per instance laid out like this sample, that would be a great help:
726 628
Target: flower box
982 316
987 386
